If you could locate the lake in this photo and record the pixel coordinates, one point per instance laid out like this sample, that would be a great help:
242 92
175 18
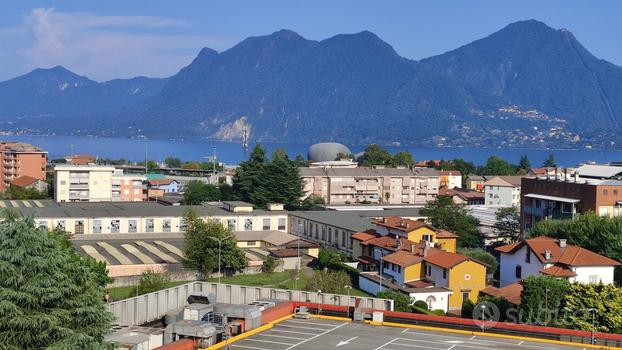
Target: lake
233 153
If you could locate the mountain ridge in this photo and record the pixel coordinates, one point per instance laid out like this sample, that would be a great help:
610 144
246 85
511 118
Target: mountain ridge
526 85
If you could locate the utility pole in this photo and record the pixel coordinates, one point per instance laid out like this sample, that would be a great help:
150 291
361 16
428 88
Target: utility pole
348 289
146 169
214 165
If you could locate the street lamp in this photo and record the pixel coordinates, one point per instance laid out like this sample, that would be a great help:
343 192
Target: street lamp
219 240
319 293
348 288
593 310
380 274
483 317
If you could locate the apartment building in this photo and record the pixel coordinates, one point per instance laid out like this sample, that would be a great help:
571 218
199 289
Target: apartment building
127 187
371 185
450 179
21 159
419 260
503 191
96 183
87 218
596 188
553 257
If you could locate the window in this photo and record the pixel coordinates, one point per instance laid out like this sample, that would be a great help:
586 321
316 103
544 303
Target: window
465 296
231 223
323 233
42 224
343 238
79 227
63 182
281 224
330 234
428 271
444 273
132 226
183 224
266 224
149 225
519 271
115 226
251 243
605 192
427 238
60 225
166 225
528 256
399 269
97 226
615 192
594 278
248 224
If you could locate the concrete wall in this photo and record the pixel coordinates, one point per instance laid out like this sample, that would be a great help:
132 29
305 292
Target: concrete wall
153 306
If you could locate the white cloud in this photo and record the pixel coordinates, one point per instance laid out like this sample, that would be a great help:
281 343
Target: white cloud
101 47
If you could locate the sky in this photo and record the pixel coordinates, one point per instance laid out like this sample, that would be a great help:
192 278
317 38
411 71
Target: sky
105 40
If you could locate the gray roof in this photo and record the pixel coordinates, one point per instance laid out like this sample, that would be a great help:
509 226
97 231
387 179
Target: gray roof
342 219
367 172
271 237
600 171
52 209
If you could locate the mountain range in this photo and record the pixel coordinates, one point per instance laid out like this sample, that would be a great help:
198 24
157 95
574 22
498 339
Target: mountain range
527 85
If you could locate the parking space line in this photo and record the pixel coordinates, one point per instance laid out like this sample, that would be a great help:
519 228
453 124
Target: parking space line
268 341
301 327
279 336
385 344
284 331
307 322
247 347
431 342
476 341
315 336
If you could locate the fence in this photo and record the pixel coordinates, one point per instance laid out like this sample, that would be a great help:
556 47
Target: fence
151 307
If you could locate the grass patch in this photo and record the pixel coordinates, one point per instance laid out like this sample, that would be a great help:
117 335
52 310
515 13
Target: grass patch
120 293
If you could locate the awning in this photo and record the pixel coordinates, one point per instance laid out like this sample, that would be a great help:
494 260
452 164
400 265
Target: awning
553 198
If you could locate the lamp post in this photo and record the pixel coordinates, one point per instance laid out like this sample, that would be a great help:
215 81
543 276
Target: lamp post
348 288
380 273
546 306
483 317
319 293
593 310
219 240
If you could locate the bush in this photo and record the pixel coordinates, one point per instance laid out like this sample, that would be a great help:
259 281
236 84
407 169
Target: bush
467 309
401 301
483 256
329 282
421 304
152 281
438 312
269 264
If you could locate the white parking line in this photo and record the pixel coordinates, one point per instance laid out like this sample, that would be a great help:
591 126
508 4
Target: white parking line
284 331
307 322
268 341
279 336
247 347
473 340
321 334
301 327
385 344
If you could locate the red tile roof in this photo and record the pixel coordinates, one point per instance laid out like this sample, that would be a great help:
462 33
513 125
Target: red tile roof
402 258
571 255
420 284
401 224
445 234
157 182
558 271
365 235
511 292
24 181
450 172
444 259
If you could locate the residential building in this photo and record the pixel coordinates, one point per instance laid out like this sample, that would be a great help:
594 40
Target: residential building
463 196
161 187
80 159
413 256
450 179
590 188
86 218
371 185
83 183
503 191
31 183
544 171
334 229
21 159
127 187
476 182
553 257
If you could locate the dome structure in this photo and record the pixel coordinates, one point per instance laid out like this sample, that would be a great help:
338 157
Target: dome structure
326 151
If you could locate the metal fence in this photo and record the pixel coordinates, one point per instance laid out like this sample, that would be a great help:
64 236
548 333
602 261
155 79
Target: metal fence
151 307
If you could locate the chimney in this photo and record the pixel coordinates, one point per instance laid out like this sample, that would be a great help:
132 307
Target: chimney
426 249
413 248
562 243
547 254
398 243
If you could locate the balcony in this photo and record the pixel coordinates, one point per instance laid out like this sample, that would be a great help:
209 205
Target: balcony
78 186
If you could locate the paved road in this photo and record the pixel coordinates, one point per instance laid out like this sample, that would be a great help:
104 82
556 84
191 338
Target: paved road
319 334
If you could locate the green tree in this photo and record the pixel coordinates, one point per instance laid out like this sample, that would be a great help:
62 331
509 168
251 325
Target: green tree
172 162
48 299
445 214
501 303
497 166
376 155
197 192
600 234
151 281
329 281
606 299
542 299
483 256
261 181
329 258
524 164
401 302
467 309
549 161
507 223
226 192
269 264
300 161
403 158
14 192
201 246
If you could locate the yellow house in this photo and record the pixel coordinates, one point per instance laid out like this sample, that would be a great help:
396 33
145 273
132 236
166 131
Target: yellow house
465 277
416 231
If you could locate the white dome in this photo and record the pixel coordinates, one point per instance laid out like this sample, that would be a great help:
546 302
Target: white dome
326 151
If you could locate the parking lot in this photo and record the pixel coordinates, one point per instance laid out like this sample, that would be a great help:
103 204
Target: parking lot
321 334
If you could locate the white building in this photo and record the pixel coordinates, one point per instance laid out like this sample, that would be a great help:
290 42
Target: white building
83 183
503 191
549 256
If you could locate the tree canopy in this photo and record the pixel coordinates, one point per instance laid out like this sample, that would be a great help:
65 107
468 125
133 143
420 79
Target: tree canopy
260 180
542 298
445 214
197 192
483 256
48 299
201 246
549 161
172 162
498 166
507 223
524 164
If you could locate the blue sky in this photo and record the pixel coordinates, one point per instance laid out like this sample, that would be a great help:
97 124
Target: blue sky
113 39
